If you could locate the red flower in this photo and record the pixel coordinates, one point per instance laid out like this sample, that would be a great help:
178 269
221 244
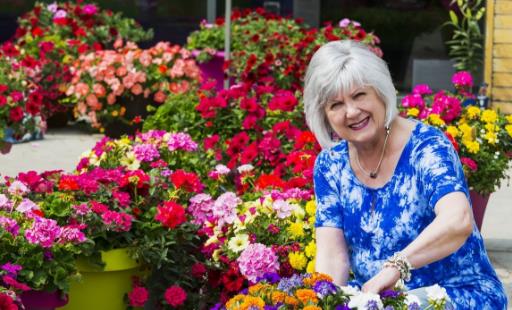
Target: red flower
16 114
175 296
232 279
468 162
3 101
284 100
138 296
69 183
188 181
269 180
198 270
6 302
170 214
453 141
37 32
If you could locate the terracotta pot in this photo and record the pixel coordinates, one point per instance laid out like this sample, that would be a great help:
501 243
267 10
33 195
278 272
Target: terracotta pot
479 204
41 300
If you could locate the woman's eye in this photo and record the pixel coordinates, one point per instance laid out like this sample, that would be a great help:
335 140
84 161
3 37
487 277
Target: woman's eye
335 105
359 95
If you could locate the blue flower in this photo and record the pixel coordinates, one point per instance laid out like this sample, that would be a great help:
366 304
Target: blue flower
324 288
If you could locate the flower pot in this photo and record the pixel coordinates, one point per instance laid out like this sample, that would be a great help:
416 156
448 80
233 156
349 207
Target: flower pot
213 69
58 119
103 288
136 106
42 300
479 203
5 147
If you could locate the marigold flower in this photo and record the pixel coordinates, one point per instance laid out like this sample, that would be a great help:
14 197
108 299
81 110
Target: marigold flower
413 112
296 230
297 260
489 116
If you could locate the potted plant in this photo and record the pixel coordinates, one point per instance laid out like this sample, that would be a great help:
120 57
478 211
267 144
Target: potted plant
482 137
21 102
115 86
57 33
38 247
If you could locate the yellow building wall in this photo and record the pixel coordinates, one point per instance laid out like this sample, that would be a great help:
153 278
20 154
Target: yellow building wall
498 53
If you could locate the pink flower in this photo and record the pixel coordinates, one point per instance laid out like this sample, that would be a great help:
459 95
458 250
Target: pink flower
224 208
71 234
181 140
10 225
138 296
146 152
413 101
5 203
18 188
256 260
201 208
90 9
175 296
43 232
284 100
468 162
81 209
117 221
462 79
422 89
282 208
27 206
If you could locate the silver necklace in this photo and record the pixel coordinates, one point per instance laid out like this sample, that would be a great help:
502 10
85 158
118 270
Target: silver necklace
373 174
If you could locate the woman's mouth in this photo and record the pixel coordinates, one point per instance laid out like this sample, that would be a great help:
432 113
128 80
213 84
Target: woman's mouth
360 125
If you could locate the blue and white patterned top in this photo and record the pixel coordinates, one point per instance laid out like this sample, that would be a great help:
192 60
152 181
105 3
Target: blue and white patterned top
428 169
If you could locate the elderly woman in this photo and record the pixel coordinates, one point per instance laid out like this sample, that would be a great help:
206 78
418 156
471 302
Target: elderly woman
392 200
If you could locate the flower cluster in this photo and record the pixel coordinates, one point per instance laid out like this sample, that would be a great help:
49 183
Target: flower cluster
104 79
315 291
270 47
57 33
21 101
482 138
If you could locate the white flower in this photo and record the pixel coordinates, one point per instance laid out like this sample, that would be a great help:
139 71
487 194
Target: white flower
26 205
412 299
222 169
365 301
130 161
350 290
436 293
282 208
238 243
245 168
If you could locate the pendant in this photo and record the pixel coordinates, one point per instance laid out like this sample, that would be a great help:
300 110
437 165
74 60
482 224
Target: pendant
373 175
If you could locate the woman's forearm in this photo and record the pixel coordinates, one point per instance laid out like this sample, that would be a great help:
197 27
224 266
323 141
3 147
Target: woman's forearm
445 235
335 266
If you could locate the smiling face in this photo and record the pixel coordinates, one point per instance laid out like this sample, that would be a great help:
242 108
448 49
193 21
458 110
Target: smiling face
357 116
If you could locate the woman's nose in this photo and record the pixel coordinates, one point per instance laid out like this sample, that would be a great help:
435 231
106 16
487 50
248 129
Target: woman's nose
351 110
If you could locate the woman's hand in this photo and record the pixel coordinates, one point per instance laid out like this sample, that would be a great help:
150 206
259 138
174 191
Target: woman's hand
385 279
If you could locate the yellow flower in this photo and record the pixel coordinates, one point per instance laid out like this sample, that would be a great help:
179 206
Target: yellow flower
238 243
311 267
306 295
235 302
296 230
413 112
472 146
467 132
298 211
310 249
130 162
311 220
297 260
310 207
508 128
491 137
473 112
115 113
509 118
435 120
453 131
492 127
489 116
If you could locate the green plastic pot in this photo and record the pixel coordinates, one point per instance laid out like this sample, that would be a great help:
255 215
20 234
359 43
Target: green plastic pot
103 289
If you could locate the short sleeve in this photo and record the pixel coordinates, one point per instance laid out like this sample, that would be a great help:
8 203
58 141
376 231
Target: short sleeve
329 212
439 167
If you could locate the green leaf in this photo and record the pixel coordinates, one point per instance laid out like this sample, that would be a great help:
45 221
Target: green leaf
454 18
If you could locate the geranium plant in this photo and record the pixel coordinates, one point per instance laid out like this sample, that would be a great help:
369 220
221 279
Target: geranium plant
21 101
105 81
482 138
59 32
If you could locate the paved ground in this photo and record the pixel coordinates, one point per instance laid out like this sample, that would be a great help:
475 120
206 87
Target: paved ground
61 149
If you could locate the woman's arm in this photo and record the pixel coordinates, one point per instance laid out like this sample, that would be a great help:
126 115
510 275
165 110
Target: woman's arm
332 254
446 234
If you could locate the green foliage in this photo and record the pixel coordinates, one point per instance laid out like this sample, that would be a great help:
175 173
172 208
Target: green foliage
466 43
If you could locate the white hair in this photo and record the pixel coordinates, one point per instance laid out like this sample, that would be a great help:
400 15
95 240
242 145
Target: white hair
337 68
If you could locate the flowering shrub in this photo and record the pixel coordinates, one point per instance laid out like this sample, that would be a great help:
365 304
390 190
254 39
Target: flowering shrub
315 291
482 138
38 250
21 102
57 33
270 47
104 80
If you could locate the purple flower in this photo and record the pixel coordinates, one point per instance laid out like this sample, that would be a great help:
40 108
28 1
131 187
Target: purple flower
12 269
342 307
201 208
10 225
26 206
288 284
270 277
324 288
90 9
372 305
181 140
413 306
43 232
389 294
146 152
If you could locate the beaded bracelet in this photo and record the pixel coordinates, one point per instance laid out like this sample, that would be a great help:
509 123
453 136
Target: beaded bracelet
400 262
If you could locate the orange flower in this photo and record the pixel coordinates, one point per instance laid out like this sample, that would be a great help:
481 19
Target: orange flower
306 295
137 89
99 90
278 296
292 301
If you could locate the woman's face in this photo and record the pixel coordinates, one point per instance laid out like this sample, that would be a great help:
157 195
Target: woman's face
358 116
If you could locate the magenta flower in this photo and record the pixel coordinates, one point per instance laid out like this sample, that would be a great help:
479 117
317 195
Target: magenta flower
11 269
257 260
10 225
71 234
43 232
60 14
200 207
81 209
181 140
422 89
90 9
146 152
117 221
26 206
468 162
462 79
5 203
